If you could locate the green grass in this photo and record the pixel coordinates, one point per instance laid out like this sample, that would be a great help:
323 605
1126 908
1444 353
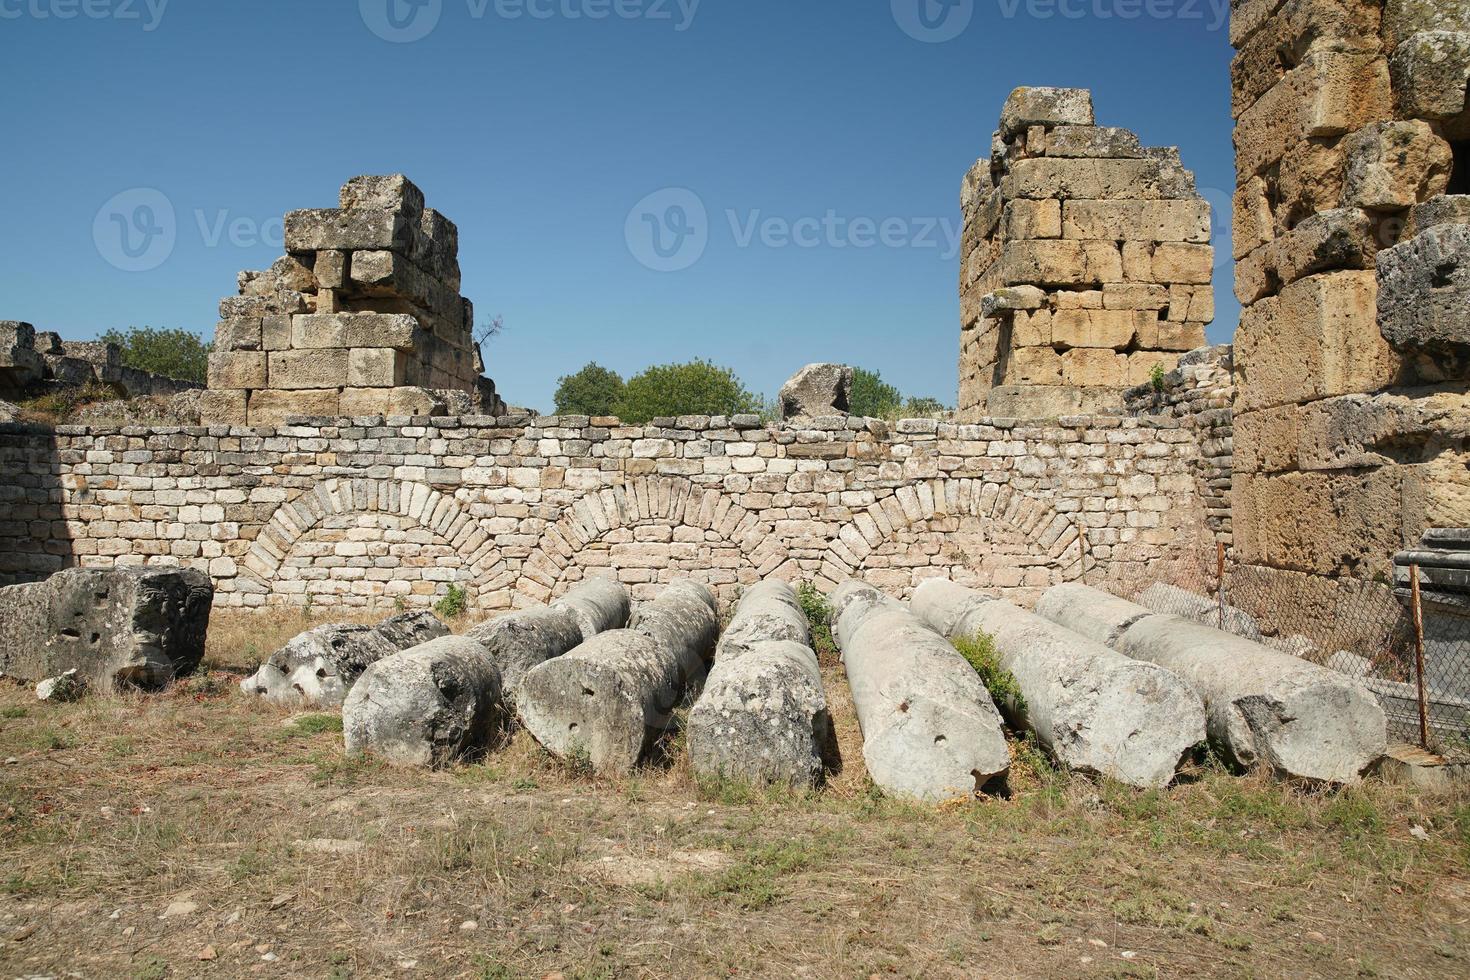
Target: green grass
308 725
454 603
818 615
980 651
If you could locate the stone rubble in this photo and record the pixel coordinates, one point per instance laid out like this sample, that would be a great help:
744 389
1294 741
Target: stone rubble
62 688
817 391
762 717
1095 710
930 729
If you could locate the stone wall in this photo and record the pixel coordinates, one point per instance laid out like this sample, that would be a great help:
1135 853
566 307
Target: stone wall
33 362
372 513
362 316
1086 262
1352 421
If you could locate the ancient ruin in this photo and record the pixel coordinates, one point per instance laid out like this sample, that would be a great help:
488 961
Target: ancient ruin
1086 263
362 316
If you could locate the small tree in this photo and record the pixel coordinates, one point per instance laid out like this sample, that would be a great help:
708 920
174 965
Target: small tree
172 353
872 397
695 388
594 390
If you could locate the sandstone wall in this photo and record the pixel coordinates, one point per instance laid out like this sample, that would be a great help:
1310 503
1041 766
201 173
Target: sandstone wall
1087 263
1353 265
362 316
362 513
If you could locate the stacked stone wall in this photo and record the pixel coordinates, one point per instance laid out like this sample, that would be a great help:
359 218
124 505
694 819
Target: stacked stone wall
369 513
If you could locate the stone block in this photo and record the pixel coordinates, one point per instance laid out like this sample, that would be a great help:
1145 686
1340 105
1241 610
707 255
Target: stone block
1047 401
392 192
1252 222
1299 28
1337 523
376 367
1141 366
1136 296
1148 221
1034 219
275 333
1112 329
397 330
237 369
292 370
1031 329
239 334
1430 73
273 406
817 390
1449 209
330 229
1395 165
1069 179
330 269
314 331
1424 301
1174 262
1059 263
1191 303
1041 106
405 401
1404 18
1094 368
1329 94
1012 298
1092 141
1318 338
1034 366
223 406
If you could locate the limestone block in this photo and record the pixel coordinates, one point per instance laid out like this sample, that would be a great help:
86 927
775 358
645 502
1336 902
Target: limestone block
237 369
1252 222
1430 73
272 406
315 331
1424 300
1308 180
1174 262
1181 337
1299 28
817 390
376 367
1012 298
396 330
1048 401
1138 262
1141 365
392 192
275 333
1092 141
330 269
1114 329
1035 219
1092 367
1395 165
1318 338
1330 93
1449 209
1034 366
1195 303
1337 239
115 627
294 370
331 229
1031 329
1057 263
222 406
238 334
20 365
1156 221
1325 523
405 401
1070 179
1026 107
1136 296
1405 18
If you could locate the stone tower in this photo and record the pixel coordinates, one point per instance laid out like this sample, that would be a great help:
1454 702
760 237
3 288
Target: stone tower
1086 262
362 316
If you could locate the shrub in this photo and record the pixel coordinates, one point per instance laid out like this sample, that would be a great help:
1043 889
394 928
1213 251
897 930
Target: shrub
980 651
171 353
695 388
453 604
872 397
818 613
594 390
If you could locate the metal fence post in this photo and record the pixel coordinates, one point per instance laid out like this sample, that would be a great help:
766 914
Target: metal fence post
1419 656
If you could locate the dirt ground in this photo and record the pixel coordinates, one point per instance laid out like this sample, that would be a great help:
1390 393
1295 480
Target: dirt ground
194 833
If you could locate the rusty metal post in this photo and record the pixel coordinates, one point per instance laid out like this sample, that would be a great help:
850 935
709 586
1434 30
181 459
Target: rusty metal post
1220 580
1419 656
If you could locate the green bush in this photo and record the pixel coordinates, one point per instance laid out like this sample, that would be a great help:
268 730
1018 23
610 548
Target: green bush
453 604
980 651
872 397
818 615
695 388
594 390
171 353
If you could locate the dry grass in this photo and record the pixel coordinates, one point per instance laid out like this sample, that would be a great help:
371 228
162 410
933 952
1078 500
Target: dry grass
116 809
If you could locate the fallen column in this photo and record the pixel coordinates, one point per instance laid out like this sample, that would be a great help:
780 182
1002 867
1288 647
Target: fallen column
319 666
1092 708
430 705
1302 720
522 640
930 728
115 627
762 717
607 700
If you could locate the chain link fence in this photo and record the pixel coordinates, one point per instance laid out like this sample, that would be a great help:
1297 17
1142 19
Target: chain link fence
1363 628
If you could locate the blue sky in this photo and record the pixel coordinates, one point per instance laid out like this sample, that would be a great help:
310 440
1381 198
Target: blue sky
824 141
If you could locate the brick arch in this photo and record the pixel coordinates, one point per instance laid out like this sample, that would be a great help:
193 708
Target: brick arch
1057 537
642 501
416 504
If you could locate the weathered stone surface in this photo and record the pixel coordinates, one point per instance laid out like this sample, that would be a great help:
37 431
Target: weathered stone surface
391 192
817 390
116 627
1395 165
930 728
237 369
1424 300
1065 178
20 364
269 406
293 370
318 667
431 705
331 229
1156 221
1092 141
1040 106
62 688
604 702
1095 710
1430 72
1298 719
519 641
1161 597
762 717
